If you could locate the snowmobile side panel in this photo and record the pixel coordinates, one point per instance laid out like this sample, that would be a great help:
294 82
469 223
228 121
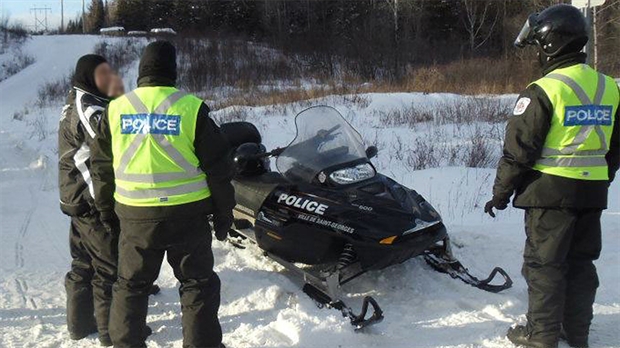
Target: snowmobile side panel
291 243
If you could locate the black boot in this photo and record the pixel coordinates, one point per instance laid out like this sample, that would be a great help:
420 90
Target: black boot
105 341
574 342
147 331
520 337
76 336
154 290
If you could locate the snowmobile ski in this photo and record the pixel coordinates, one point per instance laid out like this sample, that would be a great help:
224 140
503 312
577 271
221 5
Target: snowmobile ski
359 321
442 260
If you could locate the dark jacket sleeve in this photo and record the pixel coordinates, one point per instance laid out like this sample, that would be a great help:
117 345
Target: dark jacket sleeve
613 156
101 168
74 199
214 153
526 132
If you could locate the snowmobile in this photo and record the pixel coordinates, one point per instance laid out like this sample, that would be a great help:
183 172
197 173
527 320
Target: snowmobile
329 217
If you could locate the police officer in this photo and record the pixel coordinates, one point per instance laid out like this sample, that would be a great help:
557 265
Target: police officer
93 247
162 165
561 152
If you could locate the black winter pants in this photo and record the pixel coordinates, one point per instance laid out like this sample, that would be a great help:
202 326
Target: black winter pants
558 267
187 243
93 272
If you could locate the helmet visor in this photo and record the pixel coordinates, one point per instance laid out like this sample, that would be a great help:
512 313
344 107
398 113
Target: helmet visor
526 35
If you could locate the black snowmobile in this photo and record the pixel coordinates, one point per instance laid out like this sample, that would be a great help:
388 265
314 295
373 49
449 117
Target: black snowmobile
328 216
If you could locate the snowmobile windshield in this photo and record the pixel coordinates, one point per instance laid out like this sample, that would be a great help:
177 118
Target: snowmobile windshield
324 139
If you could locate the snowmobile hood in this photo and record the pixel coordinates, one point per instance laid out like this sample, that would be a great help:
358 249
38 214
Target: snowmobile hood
375 211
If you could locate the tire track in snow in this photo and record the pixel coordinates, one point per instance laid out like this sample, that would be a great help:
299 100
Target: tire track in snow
21 290
23 230
20 282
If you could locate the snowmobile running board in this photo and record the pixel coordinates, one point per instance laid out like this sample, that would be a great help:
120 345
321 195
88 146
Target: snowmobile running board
442 260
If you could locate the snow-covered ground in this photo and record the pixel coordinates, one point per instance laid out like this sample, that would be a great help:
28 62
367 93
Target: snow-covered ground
261 307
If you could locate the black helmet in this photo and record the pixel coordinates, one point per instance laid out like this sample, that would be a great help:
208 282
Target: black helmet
558 30
248 159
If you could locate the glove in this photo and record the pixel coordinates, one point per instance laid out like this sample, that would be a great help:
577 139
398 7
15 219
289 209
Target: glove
110 221
497 203
221 226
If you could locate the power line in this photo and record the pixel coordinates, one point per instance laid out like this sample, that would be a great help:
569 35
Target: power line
37 12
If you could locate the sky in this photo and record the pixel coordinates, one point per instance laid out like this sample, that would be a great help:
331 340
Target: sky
19 11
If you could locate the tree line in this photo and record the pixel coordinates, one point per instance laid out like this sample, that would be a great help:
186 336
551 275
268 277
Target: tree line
381 38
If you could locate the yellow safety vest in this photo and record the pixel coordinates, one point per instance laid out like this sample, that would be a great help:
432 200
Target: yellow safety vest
584 103
153 131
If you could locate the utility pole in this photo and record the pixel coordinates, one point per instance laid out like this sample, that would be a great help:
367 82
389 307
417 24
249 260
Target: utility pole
62 16
83 18
36 11
595 34
589 10
590 48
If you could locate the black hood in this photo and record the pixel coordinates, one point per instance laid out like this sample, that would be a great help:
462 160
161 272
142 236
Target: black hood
84 77
158 65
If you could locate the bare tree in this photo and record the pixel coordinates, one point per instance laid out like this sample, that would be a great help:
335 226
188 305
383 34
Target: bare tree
5 18
476 21
606 33
394 6
4 25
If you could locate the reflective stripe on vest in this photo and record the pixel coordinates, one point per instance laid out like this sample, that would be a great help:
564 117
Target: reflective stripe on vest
168 186
164 192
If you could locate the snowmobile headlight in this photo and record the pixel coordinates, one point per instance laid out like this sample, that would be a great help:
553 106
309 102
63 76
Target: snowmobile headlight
352 175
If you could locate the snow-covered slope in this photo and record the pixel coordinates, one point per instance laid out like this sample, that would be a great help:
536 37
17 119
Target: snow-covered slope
261 307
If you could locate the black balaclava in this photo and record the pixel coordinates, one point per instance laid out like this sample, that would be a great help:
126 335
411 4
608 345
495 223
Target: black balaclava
158 64
84 77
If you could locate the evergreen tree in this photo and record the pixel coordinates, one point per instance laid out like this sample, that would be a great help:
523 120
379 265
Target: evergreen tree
133 14
74 26
96 16
161 13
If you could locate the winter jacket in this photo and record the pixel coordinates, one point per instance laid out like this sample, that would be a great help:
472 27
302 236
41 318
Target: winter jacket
76 133
212 150
524 140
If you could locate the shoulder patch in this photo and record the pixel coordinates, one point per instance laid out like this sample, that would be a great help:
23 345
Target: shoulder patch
521 106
